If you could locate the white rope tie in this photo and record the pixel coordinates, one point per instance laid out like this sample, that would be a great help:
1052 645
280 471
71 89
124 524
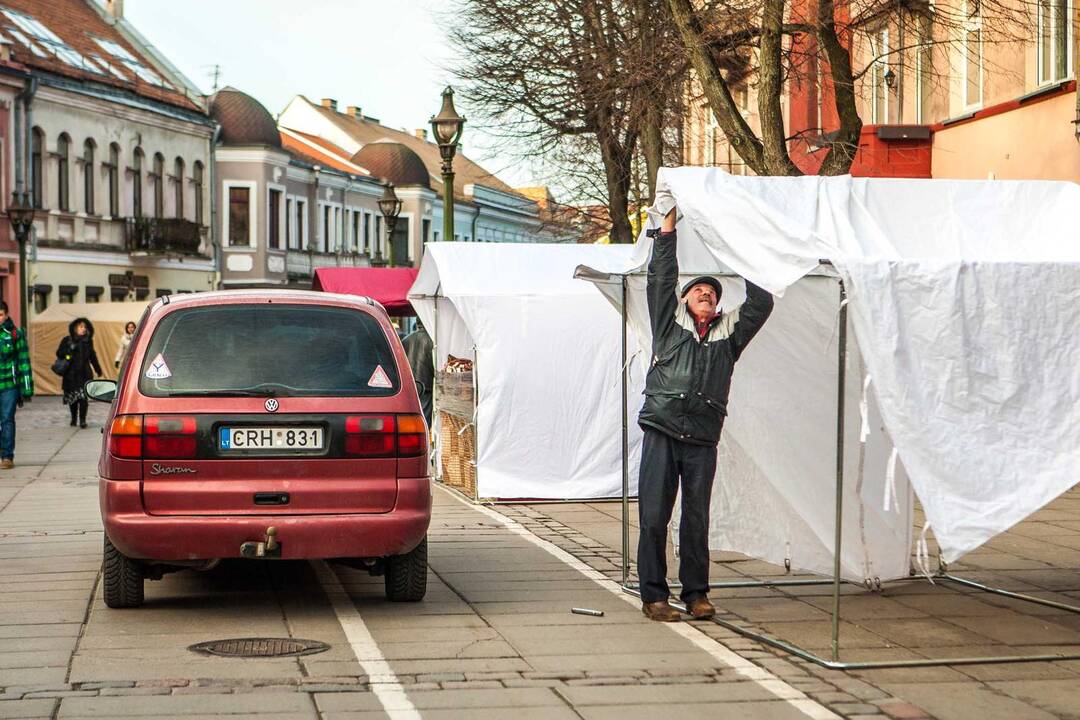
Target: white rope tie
891 500
864 412
922 554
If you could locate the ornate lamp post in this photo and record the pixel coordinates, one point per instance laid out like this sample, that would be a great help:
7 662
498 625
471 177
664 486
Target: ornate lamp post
390 207
20 212
447 127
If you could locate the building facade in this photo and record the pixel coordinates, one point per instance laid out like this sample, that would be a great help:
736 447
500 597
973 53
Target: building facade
114 149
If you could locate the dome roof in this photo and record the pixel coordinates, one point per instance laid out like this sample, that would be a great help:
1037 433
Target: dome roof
243 119
394 162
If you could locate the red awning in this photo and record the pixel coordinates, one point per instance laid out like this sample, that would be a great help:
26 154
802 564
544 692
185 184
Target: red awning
388 286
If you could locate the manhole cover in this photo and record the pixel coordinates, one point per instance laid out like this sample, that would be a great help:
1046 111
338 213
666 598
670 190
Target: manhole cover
260 647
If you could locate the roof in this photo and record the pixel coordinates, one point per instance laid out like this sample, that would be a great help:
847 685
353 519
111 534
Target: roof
367 130
394 162
317 151
243 119
72 39
387 286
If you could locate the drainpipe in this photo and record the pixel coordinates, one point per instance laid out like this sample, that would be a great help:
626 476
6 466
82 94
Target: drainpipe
21 137
318 224
475 219
215 241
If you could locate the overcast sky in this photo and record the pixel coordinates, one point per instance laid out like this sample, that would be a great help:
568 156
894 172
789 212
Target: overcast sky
386 56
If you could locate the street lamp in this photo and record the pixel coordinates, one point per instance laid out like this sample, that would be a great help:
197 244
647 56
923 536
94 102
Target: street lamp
390 207
447 127
20 212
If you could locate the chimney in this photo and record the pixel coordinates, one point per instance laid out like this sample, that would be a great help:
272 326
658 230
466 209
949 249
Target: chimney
355 112
330 103
115 8
421 134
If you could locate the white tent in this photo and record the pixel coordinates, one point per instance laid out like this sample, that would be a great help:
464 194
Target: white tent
964 300
547 361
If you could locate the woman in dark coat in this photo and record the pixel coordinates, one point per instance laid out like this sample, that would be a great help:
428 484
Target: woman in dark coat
78 348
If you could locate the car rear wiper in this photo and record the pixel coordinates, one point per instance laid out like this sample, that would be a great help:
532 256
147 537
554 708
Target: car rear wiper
221 393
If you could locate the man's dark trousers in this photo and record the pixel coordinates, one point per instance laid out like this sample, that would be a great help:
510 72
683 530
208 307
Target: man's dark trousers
664 462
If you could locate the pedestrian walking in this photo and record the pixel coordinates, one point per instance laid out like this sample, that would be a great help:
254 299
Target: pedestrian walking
82 364
125 343
16 382
695 349
418 348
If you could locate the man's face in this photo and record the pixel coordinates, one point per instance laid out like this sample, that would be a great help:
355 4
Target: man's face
701 301
3 316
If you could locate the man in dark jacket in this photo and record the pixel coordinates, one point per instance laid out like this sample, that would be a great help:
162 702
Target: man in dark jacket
694 353
418 349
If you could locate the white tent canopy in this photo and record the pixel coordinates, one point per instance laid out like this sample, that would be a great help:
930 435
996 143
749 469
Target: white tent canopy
964 300
547 354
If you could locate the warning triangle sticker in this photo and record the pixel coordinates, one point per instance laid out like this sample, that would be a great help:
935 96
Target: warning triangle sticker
379 379
159 369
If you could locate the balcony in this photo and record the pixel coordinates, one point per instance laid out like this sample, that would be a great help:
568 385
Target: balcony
162 236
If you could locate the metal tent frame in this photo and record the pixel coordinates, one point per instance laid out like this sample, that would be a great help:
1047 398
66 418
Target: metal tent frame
834 662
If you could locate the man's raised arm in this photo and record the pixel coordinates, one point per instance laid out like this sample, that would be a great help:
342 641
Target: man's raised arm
662 291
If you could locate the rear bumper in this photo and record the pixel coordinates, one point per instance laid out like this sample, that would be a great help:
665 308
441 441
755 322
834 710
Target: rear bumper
155 537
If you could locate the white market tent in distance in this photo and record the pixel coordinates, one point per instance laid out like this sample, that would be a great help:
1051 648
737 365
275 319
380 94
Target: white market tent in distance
964 299
546 349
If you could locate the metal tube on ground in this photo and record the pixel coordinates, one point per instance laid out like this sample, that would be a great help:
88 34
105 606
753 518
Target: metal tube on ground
841 379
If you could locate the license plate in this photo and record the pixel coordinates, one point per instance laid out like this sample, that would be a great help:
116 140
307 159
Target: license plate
271 438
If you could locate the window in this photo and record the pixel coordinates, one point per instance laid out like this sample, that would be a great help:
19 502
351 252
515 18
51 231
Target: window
973 57
114 180
879 90
377 250
819 87
131 63
712 138
273 225
325 247
119 294
88 177
136 182
239 216
162 292
158 179
367 233
1054 47
47 39
197 186
301 225
178 187
924 68
63 150
41 297
93 293
37 147
356 218
317 351
290 220
426 229
67 294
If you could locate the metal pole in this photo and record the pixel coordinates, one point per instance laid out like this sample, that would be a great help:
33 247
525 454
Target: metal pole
24 320
435 391
625 454
448 201
841 379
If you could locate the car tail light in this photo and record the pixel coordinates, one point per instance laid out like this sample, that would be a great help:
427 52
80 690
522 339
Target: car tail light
125 436
169 436
385 436
411 435
370 436
156 436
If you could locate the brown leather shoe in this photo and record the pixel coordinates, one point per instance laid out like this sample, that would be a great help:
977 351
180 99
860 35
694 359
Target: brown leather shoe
701 608
660 612
7 464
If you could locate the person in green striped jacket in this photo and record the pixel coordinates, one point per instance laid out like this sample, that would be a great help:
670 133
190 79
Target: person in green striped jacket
16 382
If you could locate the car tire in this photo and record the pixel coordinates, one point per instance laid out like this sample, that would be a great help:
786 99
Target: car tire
122 580
406 575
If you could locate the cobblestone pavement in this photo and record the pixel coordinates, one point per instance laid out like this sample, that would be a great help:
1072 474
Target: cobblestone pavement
493 639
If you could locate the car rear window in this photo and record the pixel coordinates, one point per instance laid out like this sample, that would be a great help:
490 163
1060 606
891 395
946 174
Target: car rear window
268 349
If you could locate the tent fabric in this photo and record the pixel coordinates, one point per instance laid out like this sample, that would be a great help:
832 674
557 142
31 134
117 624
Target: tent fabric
547 364
49 327
963 297
388 286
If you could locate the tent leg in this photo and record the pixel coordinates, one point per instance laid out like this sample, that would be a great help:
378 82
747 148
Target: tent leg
437 443
625 453
841 374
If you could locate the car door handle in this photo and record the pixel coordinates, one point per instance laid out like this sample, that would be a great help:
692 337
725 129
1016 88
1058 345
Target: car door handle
271 498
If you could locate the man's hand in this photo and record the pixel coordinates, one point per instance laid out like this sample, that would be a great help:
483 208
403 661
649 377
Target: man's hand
19 402
668 225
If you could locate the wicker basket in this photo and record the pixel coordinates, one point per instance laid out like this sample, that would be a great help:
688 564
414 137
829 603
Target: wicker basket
458 453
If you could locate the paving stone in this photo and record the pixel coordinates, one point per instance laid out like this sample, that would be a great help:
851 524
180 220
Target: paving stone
61 694
42 708
853 708
832 697
134 691
332 688
901 710
109 684
471 685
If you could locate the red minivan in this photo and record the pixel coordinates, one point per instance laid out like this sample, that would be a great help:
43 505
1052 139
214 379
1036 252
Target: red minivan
263 424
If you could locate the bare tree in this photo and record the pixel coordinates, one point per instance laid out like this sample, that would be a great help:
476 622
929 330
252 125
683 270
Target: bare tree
776 43
586 86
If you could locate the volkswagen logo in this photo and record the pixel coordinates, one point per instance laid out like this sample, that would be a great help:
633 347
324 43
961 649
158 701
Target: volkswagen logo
271 405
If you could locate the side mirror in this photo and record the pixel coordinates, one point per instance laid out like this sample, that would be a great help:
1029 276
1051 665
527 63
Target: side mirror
421 387
101 390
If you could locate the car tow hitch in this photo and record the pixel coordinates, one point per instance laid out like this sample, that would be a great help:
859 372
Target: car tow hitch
270 548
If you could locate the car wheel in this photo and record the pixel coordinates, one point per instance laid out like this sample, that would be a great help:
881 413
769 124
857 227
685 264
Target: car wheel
123 578
406 575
